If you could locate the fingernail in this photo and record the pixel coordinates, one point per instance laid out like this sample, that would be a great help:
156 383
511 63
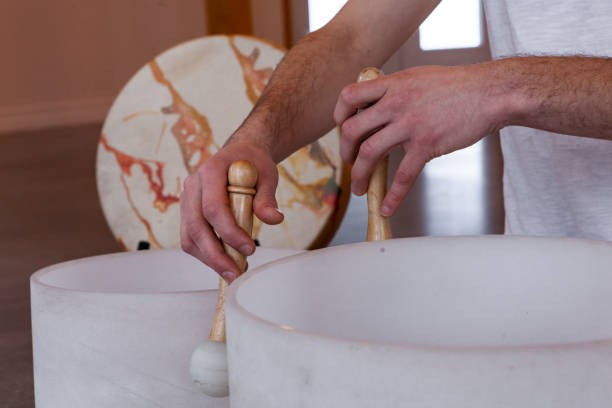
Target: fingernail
280 211
246 249
385 210
228 276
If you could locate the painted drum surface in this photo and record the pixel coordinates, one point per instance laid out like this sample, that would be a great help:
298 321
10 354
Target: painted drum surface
174 114
462 322
118 330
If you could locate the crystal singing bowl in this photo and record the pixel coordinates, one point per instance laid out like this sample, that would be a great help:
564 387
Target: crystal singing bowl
118 330
456 322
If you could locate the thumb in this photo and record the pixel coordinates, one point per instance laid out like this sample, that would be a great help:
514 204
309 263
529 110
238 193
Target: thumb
264 204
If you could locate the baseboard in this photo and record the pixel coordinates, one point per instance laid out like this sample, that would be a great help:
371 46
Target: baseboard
52 114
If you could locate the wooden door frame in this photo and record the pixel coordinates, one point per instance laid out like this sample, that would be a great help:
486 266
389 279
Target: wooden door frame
229 17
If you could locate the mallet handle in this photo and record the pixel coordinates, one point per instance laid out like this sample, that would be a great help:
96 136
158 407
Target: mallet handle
242 177
379 228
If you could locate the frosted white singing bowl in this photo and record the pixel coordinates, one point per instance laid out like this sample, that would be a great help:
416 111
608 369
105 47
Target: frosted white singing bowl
462 322
118 330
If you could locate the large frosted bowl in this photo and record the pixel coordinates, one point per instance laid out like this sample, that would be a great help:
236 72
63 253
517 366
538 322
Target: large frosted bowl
118 330
462 322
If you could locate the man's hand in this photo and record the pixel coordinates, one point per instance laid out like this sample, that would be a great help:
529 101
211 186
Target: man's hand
426 111
205 207
293 111
431 111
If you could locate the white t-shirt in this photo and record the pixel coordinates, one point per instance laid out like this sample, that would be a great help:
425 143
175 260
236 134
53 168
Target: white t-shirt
554 184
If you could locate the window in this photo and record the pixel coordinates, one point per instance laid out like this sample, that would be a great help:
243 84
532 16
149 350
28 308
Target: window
321 11
453 24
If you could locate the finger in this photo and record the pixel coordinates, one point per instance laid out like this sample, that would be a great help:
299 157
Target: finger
357 96
197 238
187 244
265 205
190 215
358 127
371 151
409 169
227 270
213 253
216 210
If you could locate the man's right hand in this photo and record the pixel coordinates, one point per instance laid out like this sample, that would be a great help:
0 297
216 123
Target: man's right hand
205 210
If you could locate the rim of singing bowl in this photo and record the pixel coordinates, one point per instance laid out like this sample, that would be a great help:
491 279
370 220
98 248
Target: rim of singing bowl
43 277
234 289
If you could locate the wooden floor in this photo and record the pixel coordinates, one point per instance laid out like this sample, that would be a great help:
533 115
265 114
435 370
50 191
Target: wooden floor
51 213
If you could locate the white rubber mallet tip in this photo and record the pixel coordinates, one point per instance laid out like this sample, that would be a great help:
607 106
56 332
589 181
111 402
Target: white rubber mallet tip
208 368
209 360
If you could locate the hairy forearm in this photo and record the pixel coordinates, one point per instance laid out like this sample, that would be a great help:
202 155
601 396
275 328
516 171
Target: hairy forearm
568 95
296 107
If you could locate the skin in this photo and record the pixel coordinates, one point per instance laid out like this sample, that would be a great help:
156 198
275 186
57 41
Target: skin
432 111
425 111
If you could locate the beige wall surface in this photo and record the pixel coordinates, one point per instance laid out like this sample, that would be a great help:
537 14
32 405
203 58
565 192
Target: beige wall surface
268 20
63 61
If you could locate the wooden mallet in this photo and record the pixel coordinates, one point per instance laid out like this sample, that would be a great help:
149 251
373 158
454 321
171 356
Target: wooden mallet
209 360
378 226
